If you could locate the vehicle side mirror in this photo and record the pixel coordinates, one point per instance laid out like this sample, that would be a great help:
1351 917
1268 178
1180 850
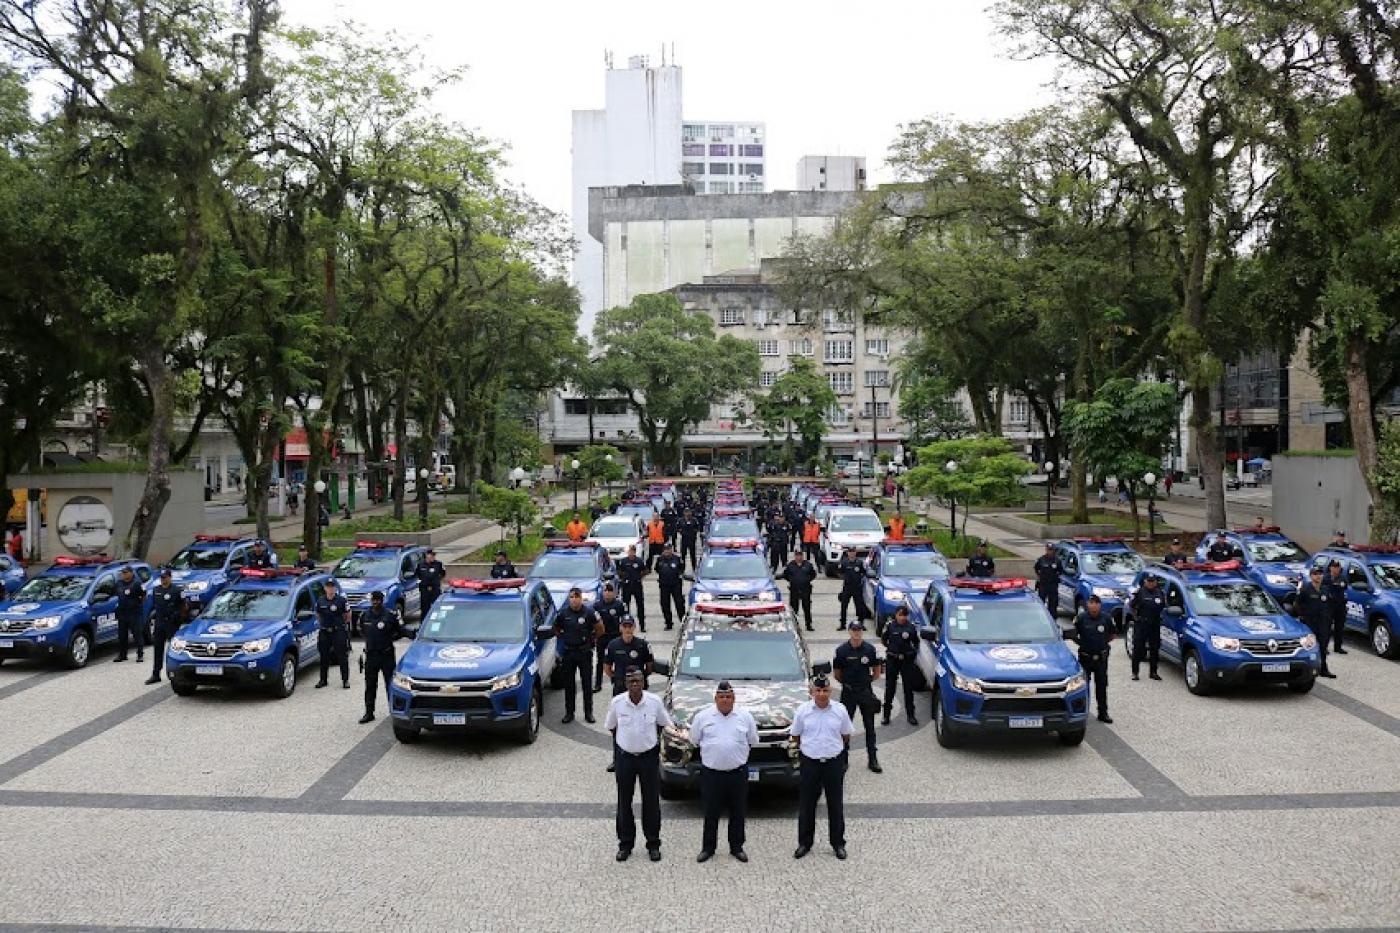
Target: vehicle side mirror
306 614
661 667
1361 586
1175 612
688 578
821 667
928 632
544 631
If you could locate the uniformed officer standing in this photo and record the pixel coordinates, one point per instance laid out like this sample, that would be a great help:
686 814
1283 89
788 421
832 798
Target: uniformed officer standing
1339 539
1315 610
670 571
669 520
1092 632
1337 596
303 561
167 615
1221 549
635 719
430 574
777 541
630 571
856 665
852 573
811 540
381 628
259 558
333 634
656 538
1047 579
901 640
724 736
577 627
823 733
502 568
689 530
1149 602
980 564
131 599
625 652
610 610
1175 555
800 575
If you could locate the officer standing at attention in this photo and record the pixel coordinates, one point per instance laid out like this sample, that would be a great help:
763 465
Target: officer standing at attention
1047 579
1339 539
259 558
624 653
303 561
502 568
131 598
1221 549
333 634
800 575
668 521
429 573
670 571
630 571
980 564
1149 603
610 610
823 733
689 529
1314 604
724 736
1092 632
1337 596
852 573
856 665
901 640
577 627
167 614
1175 555
635 719
381 628
656 538
777 541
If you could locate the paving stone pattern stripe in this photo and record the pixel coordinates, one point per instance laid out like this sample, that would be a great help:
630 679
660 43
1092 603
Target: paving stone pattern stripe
26 683
1355 707
42 754
353 765
1130 765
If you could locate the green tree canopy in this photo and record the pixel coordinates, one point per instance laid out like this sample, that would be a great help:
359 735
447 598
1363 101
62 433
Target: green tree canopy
987 471
797 401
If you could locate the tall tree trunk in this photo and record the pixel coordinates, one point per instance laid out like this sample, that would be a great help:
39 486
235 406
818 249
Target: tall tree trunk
317 423
400 443
1196 215
1363 433
156 493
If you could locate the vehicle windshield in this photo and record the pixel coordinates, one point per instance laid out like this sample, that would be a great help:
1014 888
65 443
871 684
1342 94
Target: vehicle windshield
559 564
52 589
1387 574
915 564
1000 622
742 528
487 621
259 604
1231 599
614 528
642 510
1276 551
366 567
733 566
198 558
741 656
1111 562
846 522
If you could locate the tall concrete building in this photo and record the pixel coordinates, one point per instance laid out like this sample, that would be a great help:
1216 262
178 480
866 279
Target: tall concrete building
831 173
723 157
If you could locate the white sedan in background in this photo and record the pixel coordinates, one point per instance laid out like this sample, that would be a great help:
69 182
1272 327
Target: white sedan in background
617 533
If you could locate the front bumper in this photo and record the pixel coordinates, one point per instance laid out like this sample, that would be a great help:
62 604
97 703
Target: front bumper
28 647
260 671
1232 670
461 712
767 773
1012 714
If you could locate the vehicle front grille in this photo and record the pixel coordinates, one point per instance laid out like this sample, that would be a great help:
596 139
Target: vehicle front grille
1262 646
450 702
13 626
1017 707
1023 691
450 688
769 754
201 650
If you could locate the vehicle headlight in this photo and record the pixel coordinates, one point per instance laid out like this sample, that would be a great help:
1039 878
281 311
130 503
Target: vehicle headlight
1220 643
257 645
1308 642
178 644
966 684
700 594
508 682
47 622
1278 579
403 681
768 594
1076 682
894 589
677 735
198 586
1105 592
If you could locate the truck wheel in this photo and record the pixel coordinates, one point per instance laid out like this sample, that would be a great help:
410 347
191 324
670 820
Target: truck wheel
406 734
1383 640
1072 738
183 690
1302 684
530 726
286 677
1195 673
668 790
79 649
948 734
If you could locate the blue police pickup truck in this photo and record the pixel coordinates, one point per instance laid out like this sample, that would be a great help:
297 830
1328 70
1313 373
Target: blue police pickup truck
12 575
568 564
898 569
67 611
480 662
735 570
209 563
259 632
1225 629
997 662
1372 573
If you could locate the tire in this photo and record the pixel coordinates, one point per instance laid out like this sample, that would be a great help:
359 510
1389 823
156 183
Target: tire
947 734
1072 738
669 791
79 650
183 690
1383 640
530 728
1302 684
406 734
1128 626
286 677
1195 673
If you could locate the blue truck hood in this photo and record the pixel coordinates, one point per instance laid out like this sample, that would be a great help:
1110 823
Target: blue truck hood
911 584
437 660
1114 581
365 586
744 586
28 609
1294 569
232 630
1019 662
1260 626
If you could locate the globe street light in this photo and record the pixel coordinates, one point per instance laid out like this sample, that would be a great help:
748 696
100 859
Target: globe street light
1049 468
859 457
607 476
573 465
950 468
320 487
1150 479
517 476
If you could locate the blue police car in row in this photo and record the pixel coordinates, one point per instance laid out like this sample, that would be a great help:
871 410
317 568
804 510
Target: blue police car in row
480 662
391 567
67 611
1225 629
1372 574
568 564
895 570
12 575
209 563
1102 567
733 570
1266 555
259 632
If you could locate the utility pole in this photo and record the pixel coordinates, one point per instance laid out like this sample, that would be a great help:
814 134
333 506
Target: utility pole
874 426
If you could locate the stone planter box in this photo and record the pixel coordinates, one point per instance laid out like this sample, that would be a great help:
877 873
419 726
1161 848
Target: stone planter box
1043 532
435 537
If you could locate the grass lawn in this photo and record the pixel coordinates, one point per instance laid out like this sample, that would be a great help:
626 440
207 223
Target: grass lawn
385 524
287 554
1120 520
529 548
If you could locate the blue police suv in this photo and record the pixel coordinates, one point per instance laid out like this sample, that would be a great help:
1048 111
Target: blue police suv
259 632
12 575
996 662
568 564
896 570
1372 573
387 566
1266 555
209 563
1225 629
67 611
735 570
480 662
1102 567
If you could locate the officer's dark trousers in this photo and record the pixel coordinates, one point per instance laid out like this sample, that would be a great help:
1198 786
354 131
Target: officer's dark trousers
1097 672
160 635
334 650
671 596
862 699
688 547
635 596
380 665
818 778
426 603
801 600
862 611
1339 628
1051 598
653 552
720 792
895 670
1323 633
814 553
601 658
129 628
1147 644
578 667
776 558
643 769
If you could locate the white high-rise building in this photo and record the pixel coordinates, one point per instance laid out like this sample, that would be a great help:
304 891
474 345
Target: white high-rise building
724 158
831 173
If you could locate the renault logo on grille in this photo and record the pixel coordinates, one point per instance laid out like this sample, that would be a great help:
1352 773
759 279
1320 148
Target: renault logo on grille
211 648
1273 645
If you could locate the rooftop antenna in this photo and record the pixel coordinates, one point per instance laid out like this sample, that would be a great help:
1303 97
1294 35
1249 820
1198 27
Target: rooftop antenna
663 55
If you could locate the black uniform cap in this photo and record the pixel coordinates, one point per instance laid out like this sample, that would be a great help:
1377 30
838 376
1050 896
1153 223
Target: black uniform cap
821 681
857 624
377 596
724 687
635 672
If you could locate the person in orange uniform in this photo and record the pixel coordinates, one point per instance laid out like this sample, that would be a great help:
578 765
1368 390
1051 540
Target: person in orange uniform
576 529
811 539
897 527
656 537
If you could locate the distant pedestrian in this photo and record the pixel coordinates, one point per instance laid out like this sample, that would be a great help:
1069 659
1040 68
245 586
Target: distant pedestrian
1167 484
635 719
822 730
724 736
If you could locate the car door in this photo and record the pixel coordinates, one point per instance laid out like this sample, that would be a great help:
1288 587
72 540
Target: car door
547 649
237 560
1069 576
926 659
872 577
1361 591
1173 624
304 626
102 608
408 583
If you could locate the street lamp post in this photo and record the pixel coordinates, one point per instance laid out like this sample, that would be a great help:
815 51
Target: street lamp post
895 469
423 497
859 457
1151 480
517 476
320 487
950 468
573 466
1049 468
607 476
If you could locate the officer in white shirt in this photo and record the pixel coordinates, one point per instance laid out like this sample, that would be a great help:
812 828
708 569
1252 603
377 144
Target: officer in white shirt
823 733
635 719
724 735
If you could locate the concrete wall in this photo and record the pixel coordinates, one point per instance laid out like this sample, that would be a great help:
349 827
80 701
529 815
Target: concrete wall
1314 496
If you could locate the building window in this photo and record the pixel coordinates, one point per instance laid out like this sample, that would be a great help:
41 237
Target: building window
750 187
693 149
601 406
838 415
801 347
767 347
839 351
719 132
1020 411
721 168
878 378
728 317
751 168
725 150
842 383
800 317
692 168
766 379
721 187
751 152
877 346
882 410
837 320
692 132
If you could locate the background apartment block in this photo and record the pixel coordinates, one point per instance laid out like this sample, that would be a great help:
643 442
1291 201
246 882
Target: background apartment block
724 158
831 173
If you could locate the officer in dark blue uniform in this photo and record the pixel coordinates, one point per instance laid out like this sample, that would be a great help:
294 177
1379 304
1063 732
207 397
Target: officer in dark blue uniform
901 640
800 574
1336 585
630 571
689 530
611 610
980 564
1092 632
669 518
167 614
627 650
259 558
670 573
429 573
1314 605
1221 549
1149 602
577 627
777 540
1047 579
304 561
502 568
381 627
1175 555
856 665
333 634
852 574
131 598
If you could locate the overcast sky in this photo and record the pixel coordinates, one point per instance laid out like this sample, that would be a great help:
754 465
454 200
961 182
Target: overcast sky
828 78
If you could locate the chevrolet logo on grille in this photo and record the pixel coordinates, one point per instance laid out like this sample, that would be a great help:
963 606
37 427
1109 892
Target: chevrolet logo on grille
1025 691
450 688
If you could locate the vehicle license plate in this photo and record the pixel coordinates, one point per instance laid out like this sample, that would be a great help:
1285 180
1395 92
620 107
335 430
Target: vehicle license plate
1027 722
449 719
753 775
7 643
213 669
1277 668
